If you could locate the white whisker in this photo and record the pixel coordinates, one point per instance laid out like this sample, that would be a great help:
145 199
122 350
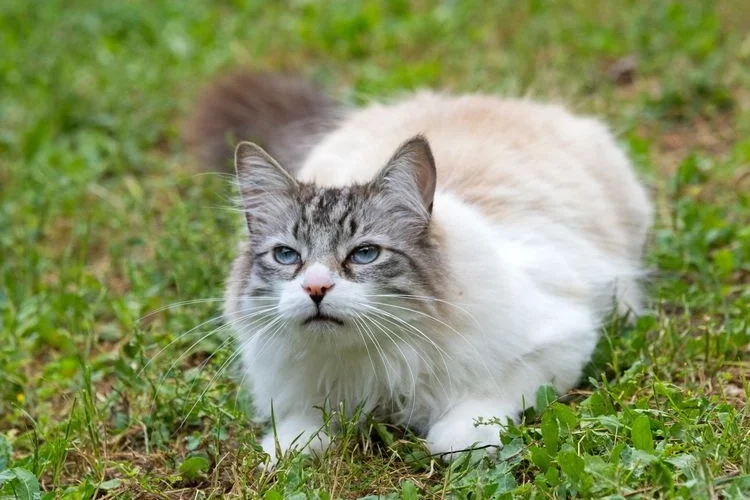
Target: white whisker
383 316
177 339
180 304
451 328
386 364
390 317
407 362
367 348
219 372
201 339
426 298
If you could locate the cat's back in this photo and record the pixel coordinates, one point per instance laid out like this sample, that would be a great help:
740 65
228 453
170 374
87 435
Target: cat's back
511 158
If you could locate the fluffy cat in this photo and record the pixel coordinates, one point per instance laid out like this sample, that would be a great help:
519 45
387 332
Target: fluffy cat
434 260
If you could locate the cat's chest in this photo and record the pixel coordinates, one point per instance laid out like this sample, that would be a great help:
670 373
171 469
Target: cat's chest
394 384
378 373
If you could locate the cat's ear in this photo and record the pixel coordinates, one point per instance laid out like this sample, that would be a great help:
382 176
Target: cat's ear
262 180
410 173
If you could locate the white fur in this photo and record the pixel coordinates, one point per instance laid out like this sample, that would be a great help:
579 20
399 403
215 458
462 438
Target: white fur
529 282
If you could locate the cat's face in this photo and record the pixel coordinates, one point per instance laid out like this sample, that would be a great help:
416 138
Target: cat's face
328 259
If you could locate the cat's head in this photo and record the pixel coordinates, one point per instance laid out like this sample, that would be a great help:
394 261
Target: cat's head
325 259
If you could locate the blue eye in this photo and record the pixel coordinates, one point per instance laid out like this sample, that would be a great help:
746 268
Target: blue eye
365 254
285 256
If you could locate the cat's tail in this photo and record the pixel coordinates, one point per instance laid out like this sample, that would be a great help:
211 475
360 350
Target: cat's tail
285 115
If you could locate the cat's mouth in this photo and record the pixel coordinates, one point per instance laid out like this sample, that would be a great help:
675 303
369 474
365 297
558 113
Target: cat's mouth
322 318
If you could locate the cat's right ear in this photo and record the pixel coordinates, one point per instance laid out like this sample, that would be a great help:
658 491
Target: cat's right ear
261 179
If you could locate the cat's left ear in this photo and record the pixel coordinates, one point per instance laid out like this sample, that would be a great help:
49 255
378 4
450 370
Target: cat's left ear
410 173
262 180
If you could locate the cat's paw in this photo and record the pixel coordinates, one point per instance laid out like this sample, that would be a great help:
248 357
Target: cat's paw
294 434
450 438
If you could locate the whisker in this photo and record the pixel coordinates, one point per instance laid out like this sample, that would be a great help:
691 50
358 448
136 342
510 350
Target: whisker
365 318
381 352
427 298
420 352
177 339
387 331
180 304
421 313
205 362
231 358
261 297
443 323
194 344
403 355
390 317
215 377
268 341
243 318
367 348
397 322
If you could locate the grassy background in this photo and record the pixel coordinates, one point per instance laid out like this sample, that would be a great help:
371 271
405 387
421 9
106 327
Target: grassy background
113 388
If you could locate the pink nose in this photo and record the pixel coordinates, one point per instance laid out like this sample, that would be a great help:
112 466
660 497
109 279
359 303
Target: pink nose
317 292
317 282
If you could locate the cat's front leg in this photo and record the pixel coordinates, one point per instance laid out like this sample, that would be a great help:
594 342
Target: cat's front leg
458 430
295 432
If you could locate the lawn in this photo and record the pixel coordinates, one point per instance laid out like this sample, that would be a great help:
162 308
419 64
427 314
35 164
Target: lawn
117 379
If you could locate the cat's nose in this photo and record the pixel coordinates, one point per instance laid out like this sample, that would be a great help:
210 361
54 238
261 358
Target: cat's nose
317 282
317 292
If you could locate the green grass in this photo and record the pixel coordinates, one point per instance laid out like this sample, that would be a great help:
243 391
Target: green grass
110 388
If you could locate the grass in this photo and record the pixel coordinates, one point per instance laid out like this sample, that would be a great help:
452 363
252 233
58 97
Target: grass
113 387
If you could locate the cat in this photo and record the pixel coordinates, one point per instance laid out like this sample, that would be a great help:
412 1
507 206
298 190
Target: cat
433 260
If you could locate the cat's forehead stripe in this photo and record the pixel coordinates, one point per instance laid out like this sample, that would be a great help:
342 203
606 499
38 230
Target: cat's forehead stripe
331 210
